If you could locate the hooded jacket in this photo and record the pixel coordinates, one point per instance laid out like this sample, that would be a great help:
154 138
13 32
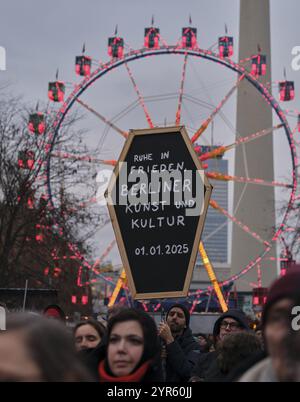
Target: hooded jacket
207 363
237 315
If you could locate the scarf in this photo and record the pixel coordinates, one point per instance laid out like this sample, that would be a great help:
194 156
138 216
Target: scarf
136 376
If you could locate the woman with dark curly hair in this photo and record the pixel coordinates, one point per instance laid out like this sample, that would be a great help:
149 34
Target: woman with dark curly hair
232 351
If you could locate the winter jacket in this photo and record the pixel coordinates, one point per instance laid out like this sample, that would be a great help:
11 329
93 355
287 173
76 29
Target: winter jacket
182 355
207 367
204 363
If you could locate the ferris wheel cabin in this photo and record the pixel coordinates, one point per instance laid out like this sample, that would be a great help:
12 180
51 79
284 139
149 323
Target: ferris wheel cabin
26 159
189 37
259 65
36 124
83 65
116 47
29 201
286 90
226 46
151 39
56 91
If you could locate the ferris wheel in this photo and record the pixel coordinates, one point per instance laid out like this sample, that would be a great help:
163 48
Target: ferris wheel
160 84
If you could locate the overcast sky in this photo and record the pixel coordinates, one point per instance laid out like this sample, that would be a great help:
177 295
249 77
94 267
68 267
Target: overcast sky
41 36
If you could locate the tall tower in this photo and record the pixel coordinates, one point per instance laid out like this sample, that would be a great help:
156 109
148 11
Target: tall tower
256 206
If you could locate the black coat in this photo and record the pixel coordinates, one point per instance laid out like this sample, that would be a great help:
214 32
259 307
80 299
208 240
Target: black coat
182 355
202 366
207 367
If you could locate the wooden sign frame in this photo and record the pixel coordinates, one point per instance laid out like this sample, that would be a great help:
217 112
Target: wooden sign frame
115 223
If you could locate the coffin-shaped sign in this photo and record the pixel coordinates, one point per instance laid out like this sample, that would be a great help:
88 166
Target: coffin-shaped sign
158 198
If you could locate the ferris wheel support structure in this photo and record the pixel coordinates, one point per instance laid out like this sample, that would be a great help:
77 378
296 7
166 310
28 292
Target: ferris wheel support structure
243 75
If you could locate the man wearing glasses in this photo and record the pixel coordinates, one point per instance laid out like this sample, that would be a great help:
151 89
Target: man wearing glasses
233 321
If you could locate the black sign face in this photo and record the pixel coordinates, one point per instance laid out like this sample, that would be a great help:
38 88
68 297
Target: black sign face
159 197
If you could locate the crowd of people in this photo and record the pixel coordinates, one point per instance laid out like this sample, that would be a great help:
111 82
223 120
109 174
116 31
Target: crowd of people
130 347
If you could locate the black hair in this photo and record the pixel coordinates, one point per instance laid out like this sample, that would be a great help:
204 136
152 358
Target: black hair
114 310
152 347
151 340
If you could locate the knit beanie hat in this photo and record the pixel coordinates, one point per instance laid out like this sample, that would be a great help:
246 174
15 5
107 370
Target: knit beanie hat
237 315
54 311
287 286
185 312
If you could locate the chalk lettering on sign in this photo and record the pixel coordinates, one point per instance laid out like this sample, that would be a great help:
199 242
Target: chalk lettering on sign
143 157
167 249
156 187
165 155
157 222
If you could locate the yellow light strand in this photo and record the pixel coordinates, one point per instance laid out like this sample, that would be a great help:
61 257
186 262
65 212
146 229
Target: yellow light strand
117 289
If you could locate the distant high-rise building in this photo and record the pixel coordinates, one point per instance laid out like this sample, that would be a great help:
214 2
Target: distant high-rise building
215 233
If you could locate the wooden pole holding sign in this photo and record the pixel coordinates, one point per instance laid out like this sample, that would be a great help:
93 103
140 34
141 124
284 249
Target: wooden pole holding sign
212 276
119 285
